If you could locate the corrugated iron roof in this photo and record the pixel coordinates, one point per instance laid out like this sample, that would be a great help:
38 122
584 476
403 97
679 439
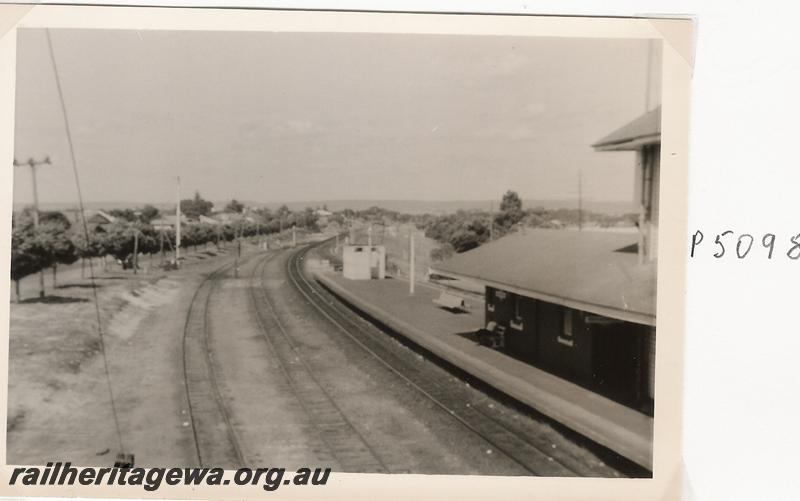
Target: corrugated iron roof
593 271
644 130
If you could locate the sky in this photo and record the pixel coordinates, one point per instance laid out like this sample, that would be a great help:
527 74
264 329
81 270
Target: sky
281 117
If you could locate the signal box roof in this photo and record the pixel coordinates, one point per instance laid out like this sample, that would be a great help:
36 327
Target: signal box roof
643 131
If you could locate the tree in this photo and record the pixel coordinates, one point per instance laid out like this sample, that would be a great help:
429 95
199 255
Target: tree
196 207
118 240
446 251
86 249
148 213
510 211
55 217
27 256
511 202
234 206
53 237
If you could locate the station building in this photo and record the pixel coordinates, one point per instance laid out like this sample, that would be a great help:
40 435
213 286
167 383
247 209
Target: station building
580 305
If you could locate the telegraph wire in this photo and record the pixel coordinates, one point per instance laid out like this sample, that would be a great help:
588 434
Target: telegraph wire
86 236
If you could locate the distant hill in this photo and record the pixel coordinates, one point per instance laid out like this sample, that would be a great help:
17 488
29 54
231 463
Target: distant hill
404 206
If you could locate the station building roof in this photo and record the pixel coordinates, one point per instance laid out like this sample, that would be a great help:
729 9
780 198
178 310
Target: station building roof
643 131
593 271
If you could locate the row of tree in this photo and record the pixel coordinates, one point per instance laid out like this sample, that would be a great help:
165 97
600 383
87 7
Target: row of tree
55 241
466 230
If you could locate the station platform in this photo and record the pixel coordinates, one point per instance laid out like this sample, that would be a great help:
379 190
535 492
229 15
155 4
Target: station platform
447 335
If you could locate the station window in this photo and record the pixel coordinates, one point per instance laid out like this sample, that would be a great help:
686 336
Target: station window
517 308
566 337
516 321
567 331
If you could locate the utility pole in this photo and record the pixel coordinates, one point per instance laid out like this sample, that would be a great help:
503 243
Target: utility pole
491 220
178 226
161 245
580 201
238 247
135 250
648 76
411 274
33 164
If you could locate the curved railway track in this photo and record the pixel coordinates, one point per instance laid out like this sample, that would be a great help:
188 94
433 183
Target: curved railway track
332 425
215 438
525 451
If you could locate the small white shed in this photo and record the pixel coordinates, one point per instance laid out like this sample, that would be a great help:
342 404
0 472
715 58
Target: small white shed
364 262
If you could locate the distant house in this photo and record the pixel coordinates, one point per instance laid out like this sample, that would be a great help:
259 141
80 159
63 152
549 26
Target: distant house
229 217
323 216
209 220
99 219
96 220
167 222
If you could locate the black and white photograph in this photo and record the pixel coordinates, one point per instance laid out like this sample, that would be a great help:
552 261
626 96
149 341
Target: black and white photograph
392 253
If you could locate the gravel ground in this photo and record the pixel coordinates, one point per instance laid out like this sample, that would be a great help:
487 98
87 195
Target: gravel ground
408 433
59 409
58 400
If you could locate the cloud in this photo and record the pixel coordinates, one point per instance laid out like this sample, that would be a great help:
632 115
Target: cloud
300 127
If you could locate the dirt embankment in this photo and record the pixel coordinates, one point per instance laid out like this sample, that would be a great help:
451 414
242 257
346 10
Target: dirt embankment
59 407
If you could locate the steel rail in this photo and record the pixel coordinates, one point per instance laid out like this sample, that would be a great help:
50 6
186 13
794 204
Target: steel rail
334 428
300 282
206 287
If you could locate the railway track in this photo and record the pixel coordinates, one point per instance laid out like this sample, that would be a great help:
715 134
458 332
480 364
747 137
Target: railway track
333 427
215 439
536 458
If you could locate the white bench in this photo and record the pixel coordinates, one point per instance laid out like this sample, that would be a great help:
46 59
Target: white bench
451 302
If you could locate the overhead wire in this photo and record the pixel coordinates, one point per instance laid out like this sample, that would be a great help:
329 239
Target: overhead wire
86 236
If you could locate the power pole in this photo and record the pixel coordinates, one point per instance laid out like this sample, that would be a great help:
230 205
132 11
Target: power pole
33 164
135 250
648 76
491 221
580 201
178 226
411 274
161 244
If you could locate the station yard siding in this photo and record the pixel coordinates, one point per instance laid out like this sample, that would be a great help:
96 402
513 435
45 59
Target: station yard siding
447 335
